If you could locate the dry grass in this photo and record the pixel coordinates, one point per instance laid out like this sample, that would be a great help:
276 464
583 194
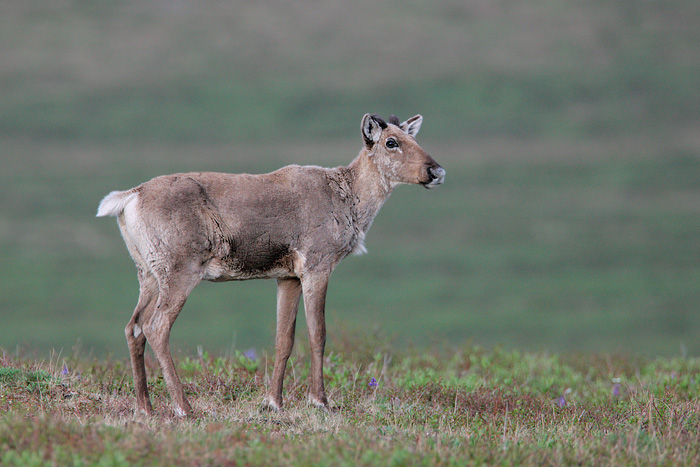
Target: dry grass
453 407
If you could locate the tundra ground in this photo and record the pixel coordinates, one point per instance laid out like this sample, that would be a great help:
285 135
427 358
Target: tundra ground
457 406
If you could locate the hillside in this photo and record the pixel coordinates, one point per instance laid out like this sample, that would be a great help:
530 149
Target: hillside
570 212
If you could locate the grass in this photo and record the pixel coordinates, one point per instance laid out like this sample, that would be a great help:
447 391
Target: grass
230 72
558 245
448 406
568 221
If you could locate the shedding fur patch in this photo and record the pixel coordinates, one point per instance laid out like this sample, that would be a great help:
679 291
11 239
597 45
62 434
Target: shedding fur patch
359 248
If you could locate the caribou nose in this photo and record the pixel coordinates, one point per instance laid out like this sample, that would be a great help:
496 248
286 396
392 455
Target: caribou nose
437 176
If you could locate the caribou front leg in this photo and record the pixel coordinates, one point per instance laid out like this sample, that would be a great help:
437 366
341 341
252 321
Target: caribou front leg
314 289
288 293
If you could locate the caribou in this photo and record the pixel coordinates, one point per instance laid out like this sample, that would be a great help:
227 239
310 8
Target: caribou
293 225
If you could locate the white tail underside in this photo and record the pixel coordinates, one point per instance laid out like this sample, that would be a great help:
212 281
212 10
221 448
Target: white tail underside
114 203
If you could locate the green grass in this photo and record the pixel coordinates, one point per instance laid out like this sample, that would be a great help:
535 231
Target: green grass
560 245
568 220
127 71
448 406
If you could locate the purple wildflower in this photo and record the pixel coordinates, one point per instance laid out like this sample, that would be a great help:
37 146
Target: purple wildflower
561 400
251 354
65 371
373 382
616 387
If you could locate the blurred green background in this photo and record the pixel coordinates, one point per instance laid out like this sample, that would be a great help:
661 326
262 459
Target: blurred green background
569 220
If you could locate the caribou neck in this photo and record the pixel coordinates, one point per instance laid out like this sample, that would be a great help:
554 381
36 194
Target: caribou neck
370 190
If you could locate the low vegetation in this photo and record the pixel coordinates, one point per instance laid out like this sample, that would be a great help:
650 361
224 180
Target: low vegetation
455 406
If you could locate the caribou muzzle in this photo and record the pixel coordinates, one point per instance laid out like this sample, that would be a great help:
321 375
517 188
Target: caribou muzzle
436 176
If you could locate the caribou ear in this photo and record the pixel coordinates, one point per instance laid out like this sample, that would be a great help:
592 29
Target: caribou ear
372 126
412 125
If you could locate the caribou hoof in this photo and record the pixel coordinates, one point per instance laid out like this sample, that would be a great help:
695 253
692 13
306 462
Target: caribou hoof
269 405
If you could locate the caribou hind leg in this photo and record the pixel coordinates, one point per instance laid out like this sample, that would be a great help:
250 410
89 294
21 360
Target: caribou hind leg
173 292
136 339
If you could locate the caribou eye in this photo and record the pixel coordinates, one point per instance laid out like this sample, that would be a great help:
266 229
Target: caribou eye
391 143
